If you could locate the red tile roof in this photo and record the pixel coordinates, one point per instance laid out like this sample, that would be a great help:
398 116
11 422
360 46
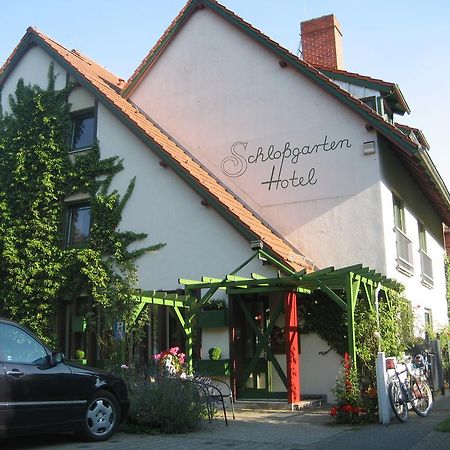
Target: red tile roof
386 86
356 75
105 84
416 132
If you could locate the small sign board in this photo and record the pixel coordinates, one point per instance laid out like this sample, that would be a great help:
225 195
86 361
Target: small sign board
119 330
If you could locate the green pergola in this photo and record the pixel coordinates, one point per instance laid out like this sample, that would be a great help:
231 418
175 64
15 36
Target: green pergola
353 281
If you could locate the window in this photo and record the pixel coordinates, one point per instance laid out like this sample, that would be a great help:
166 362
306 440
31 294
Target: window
371 102
83 131
405 262
422 237
78 225
399 214
19 347
425 261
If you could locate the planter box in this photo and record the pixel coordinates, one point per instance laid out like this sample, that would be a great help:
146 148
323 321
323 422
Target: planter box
212 319
212 368
81 362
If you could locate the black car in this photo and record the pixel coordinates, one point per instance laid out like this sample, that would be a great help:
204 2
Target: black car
40 392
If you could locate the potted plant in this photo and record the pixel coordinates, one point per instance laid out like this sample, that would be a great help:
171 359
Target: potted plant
80 356
215 353
213 314
215 365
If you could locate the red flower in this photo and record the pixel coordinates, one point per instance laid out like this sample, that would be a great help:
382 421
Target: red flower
357 410
347 408
333 411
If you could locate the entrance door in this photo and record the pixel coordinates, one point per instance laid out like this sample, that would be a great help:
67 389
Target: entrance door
254 360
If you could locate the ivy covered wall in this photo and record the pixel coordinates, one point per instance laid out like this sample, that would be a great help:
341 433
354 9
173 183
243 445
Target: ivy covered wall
37 174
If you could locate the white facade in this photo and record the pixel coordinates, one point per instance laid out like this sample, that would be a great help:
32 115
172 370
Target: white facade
267 133
162 205
295 154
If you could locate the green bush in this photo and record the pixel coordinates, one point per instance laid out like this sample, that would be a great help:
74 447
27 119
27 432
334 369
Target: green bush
169 405
215 353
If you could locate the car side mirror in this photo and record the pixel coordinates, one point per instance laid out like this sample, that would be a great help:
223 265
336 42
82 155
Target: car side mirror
56 358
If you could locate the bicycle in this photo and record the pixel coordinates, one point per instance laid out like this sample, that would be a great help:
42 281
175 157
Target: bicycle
407 389
423 362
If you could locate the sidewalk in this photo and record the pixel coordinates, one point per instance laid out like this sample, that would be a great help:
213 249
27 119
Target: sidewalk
310 429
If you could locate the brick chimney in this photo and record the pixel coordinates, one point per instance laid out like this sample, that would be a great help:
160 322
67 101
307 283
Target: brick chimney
322 42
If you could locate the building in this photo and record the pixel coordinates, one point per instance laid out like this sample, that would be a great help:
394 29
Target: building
240 145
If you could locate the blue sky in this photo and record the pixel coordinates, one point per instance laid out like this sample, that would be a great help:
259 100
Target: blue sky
403 41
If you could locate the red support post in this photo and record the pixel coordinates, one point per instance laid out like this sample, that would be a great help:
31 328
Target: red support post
292 356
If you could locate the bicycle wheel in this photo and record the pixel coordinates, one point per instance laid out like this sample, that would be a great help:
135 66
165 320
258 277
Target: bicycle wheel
423 398
398 401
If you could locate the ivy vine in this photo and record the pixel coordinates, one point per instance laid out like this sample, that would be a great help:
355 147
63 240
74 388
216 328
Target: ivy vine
36 176
388 328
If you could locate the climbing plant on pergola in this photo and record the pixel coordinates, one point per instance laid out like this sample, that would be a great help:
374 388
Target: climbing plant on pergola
352 281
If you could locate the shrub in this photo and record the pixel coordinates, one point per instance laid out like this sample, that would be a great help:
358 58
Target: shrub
353 406
215 353
169 405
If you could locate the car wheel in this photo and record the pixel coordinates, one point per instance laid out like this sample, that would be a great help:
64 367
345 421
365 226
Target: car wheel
101 417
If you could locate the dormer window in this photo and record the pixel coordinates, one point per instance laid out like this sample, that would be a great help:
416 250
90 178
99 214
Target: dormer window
83 131
371 102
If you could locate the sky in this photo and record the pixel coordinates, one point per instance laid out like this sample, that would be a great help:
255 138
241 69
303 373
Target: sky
406 42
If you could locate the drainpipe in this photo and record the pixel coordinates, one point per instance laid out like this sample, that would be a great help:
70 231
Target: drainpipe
377 335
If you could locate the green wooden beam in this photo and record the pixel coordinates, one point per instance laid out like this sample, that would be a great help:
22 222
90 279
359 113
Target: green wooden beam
275 262
180 318
180 299
352 289
338 300
318 274
344 270
256 290
190 283
368 290
256 276
137 312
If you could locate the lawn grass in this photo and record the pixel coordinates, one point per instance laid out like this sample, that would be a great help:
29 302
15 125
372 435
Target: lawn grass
443 426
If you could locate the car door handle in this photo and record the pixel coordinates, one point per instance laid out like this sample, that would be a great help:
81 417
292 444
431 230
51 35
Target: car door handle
15 373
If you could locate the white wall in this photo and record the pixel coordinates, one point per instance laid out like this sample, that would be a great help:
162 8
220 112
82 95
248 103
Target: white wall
198 240
216 337
318 371
417 208
227 100
81 99
33 68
